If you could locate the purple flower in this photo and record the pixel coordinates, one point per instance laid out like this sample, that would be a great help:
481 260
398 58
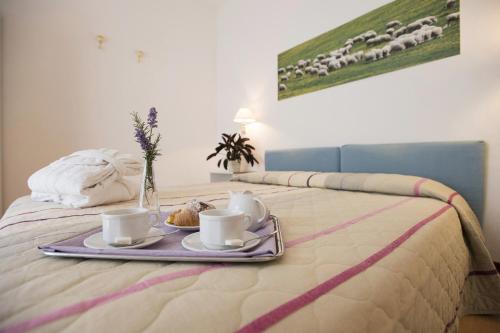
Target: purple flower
145 136
142 139
152 121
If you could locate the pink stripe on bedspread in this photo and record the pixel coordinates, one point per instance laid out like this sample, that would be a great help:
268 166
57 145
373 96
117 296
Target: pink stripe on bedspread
344 225
88 304
457 307
274 316
451 197
490 272
96 214
416 188
93 302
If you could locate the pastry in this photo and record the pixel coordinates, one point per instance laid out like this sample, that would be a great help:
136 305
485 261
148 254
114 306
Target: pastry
199 206
189 216
186 218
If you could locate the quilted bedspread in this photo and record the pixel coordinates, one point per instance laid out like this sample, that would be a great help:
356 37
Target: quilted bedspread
364 253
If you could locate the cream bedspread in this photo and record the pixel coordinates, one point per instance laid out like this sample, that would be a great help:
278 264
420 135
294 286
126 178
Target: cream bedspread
364 253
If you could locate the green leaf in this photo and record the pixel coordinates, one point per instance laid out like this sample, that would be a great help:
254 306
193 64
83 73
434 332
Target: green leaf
235 148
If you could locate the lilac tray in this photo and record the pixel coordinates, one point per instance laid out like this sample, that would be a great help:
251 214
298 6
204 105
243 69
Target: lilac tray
170 249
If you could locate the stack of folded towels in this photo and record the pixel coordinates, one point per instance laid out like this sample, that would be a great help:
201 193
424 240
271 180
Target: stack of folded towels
87 178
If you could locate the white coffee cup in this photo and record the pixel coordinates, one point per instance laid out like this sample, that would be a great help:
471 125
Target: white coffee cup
219 225
125 226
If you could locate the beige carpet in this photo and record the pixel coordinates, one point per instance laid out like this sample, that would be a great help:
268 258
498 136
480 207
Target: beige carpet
480 324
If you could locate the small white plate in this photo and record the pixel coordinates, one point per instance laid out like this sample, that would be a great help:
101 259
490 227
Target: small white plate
96 242
192 242
183 228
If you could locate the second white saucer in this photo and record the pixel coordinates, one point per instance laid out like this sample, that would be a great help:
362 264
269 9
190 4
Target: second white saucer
193 242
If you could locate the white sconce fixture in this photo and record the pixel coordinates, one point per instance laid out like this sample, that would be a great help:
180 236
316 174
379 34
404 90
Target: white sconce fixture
100 41
244 116
140 56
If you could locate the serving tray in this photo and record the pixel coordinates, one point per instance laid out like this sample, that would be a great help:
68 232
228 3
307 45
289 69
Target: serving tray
277 238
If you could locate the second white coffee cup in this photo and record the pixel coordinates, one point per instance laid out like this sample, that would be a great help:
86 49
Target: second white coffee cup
219 225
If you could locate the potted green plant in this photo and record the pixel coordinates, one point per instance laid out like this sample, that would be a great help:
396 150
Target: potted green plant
235 148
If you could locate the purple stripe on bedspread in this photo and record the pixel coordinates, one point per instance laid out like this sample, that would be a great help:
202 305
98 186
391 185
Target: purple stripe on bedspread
95 214
290 178
48 218
416 188
473 273
344 225
448 325
309 178
60 208
491 272
32 212
93 302
276 315
451 197
215 193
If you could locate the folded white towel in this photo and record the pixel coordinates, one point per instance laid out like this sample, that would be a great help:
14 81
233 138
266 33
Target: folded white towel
87 178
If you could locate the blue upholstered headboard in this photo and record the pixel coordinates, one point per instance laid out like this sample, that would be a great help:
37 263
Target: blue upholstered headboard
459 165
324 159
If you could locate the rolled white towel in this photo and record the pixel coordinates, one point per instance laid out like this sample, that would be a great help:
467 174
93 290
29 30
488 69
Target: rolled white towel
87 178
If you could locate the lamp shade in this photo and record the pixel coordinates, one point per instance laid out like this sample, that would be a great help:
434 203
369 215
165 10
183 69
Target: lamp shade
244 116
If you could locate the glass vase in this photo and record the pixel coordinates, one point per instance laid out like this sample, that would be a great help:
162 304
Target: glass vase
149 192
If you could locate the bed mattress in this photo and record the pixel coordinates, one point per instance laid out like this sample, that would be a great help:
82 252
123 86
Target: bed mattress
364 253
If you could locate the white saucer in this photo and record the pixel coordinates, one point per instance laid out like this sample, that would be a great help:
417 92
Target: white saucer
192 242
96 242
183 228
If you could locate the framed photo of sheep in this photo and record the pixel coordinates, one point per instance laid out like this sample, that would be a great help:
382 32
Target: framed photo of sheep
400 34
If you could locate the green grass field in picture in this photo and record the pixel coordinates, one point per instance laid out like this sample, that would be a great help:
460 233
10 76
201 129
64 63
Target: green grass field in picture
300 80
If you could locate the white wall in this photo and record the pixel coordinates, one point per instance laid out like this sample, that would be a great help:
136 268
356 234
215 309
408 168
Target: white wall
61 93
452 99
1 121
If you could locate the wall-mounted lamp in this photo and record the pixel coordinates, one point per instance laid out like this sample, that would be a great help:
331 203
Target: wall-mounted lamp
244 116
140 56
100 41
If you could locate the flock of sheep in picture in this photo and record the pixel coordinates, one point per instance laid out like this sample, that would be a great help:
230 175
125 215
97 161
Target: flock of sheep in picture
397 38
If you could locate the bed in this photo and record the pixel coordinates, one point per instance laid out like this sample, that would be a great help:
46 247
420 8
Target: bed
379 238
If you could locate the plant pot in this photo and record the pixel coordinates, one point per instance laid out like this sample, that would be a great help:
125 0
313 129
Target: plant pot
234 166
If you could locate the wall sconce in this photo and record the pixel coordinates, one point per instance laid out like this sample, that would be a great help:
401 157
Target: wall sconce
100 41
140 56
244 117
